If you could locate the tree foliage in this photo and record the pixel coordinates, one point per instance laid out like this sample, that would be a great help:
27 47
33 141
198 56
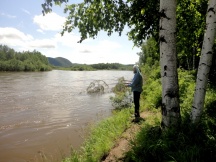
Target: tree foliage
92 16
100 66
149 52
113 66
191 15
10 60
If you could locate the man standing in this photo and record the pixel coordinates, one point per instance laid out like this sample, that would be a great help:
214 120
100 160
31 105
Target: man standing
136 87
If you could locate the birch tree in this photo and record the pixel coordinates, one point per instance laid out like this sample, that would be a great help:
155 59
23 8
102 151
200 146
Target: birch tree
168 61
205 63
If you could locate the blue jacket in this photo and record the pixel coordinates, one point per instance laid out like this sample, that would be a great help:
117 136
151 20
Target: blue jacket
137 82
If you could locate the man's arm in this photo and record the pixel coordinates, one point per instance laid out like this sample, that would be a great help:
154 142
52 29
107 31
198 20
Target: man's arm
135 81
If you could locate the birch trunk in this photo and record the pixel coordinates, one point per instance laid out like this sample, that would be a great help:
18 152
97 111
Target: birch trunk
168 61
205 63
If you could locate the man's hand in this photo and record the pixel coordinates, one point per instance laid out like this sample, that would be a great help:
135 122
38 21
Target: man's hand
126 84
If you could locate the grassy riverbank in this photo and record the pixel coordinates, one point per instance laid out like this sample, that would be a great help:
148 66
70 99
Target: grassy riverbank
102 137
186 143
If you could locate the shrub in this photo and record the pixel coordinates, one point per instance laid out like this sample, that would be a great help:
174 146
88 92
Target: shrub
152 90
122 95
186 90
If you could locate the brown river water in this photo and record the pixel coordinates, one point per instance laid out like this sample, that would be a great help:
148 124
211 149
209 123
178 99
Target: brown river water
45 114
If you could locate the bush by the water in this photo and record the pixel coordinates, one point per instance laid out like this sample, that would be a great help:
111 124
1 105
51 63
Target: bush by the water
97 86
122 95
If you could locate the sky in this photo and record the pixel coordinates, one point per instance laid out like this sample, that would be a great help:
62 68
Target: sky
24 28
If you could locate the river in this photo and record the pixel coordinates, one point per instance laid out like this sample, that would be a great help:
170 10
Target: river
45 114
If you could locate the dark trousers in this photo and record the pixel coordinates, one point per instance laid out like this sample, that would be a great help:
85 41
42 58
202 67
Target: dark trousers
136 96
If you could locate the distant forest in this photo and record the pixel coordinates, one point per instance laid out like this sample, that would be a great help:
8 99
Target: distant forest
99 66
10 60
64 64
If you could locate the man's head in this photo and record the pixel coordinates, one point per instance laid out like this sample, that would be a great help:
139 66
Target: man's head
135 68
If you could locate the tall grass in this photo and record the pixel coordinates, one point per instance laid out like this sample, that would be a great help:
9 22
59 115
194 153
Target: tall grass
187 143
102 137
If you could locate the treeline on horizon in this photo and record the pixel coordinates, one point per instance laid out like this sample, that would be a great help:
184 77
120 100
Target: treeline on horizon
10 60
100 66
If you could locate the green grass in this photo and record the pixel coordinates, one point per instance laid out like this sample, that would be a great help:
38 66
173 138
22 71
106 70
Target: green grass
102 137
188 142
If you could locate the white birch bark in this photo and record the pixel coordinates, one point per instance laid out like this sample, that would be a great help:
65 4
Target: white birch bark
168 61
205 63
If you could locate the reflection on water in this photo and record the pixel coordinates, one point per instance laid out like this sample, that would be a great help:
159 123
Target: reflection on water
47 113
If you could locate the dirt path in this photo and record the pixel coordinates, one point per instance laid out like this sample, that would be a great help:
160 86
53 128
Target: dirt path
123 144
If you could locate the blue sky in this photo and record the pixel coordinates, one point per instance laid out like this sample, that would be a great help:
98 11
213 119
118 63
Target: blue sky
23 27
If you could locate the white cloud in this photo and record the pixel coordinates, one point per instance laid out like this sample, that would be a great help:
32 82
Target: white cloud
68 39
13 33
9 16
87 46
85 51
50 21
40 31
52 52
42 43
26 11
109 44
101 47
13 37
